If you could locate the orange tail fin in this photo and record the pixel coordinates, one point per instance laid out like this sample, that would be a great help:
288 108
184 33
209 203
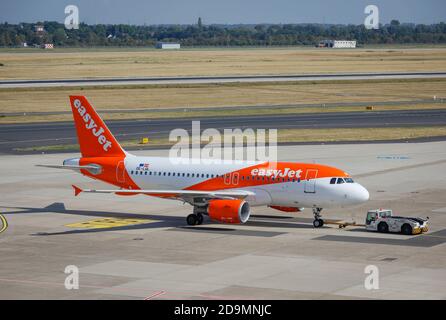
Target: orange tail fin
95 139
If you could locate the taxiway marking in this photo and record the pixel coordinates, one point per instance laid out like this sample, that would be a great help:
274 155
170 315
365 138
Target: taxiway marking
154 295
4 223
108 223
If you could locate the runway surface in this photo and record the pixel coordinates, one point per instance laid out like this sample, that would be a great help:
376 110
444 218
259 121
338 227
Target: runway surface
219 79
44 134
141 248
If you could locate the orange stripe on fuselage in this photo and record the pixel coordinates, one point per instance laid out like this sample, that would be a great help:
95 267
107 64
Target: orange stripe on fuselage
267 173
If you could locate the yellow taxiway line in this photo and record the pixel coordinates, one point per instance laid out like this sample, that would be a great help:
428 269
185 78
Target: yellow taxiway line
108 223
4 223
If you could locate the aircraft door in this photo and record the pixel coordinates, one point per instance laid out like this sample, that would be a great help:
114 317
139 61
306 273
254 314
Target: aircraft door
120 172
310 181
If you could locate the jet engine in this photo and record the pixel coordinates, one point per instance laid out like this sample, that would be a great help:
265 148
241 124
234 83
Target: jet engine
229 211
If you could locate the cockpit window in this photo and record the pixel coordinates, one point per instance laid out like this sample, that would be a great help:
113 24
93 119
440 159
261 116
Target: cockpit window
341 180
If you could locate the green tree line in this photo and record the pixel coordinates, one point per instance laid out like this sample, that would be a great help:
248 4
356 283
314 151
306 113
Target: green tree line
218 35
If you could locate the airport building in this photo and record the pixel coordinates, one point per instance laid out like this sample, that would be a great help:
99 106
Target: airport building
337 44
167 45
39 28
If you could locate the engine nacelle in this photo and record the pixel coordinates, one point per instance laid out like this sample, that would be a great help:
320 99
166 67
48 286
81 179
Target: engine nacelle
229 211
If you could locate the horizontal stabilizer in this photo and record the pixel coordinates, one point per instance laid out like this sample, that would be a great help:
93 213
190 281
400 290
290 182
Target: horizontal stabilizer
93 168
77 190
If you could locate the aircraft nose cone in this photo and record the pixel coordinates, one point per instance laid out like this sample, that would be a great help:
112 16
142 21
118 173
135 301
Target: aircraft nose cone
362 195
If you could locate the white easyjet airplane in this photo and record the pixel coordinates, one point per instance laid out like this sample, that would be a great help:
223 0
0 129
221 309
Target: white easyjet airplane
225 192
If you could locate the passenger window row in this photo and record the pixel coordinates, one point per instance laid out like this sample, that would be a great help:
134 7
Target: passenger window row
203 175
174 174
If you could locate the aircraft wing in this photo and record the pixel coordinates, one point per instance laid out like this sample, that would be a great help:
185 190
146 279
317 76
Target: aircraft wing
185 195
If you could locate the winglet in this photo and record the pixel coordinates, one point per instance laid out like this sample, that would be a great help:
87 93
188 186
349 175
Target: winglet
77 190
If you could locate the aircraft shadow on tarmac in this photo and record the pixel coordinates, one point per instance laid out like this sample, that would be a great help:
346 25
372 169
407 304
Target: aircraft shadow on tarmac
162 221
175 223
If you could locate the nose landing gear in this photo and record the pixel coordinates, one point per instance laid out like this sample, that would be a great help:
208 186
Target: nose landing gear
318 222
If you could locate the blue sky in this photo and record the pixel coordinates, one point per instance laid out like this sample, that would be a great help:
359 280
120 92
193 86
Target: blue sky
227 11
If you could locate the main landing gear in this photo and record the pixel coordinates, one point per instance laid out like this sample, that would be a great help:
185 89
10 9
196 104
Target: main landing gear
318 222
194 219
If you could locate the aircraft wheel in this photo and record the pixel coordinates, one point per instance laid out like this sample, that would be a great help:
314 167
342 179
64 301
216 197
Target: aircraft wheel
199 218
192 219
317 223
